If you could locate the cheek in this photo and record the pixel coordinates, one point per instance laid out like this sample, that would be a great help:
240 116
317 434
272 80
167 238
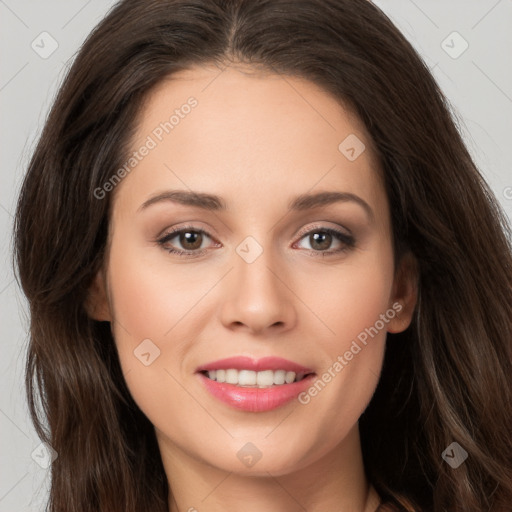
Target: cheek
356 309
143 303
150 350
145 309
151 297
353 296
157 317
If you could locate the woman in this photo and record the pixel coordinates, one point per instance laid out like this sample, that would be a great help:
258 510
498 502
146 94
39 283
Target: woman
191 347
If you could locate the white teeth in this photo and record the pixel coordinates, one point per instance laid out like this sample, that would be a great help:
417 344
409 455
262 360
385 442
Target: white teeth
265 378
279 377
289 377
249 378
232 376
246 378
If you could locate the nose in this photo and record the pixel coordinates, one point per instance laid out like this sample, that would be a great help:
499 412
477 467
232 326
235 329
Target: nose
258 298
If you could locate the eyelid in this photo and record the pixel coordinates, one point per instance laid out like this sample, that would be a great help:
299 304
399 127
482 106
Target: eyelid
322 227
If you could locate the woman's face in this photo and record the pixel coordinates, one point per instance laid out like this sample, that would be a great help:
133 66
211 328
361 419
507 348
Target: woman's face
259 271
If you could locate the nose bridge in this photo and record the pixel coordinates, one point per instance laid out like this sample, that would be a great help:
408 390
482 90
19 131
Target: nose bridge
259 297
257 278
258 283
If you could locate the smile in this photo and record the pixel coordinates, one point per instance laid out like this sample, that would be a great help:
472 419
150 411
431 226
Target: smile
255 386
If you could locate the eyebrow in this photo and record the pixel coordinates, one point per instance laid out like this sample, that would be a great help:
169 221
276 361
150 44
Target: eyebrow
215 203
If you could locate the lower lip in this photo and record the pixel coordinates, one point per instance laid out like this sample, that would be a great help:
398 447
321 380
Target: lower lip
255 399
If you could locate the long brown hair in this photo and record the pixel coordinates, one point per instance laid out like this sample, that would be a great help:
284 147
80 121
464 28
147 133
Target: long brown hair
448 378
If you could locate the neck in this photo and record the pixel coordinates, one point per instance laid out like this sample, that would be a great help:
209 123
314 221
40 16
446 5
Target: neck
335 481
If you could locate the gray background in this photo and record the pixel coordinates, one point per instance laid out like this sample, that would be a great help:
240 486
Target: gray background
478 83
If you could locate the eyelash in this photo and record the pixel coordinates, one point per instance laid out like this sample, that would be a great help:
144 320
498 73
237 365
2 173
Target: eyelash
347 240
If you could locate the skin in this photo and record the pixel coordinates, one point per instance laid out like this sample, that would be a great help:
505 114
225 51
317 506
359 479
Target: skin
257 140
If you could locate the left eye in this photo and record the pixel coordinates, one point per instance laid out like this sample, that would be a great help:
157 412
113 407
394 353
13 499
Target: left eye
320 240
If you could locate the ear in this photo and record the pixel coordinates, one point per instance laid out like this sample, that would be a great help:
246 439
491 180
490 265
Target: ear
96 304
405 293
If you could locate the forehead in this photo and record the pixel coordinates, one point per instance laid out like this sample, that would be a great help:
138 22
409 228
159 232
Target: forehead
239 132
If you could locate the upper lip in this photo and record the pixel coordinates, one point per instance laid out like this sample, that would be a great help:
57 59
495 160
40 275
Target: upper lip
257 365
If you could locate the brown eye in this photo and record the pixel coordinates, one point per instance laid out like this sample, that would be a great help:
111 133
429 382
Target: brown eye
321 239
190 240
185 241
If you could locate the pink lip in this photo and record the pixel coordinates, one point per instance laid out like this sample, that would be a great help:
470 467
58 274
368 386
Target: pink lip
247 363
255 399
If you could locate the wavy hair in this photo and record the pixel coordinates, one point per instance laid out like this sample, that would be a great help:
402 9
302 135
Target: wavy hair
447 378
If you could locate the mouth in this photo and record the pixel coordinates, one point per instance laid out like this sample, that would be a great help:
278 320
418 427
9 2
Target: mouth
255 385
